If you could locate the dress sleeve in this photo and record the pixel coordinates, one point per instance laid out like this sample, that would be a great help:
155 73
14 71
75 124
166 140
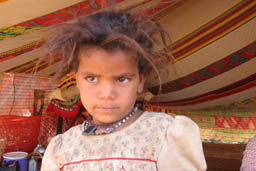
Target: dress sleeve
249 158
183 147
49 162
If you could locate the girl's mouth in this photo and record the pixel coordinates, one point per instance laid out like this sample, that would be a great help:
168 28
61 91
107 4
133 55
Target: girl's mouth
105 109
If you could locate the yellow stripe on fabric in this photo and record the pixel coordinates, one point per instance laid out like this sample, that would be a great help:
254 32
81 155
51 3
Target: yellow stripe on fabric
43 63
212 40
30 63
235 75
29 70
27 65
49 70
23 66
22 47
17 49
209 21
19 30
215 27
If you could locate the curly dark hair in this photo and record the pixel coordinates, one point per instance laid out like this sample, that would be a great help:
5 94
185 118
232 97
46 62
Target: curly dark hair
111 31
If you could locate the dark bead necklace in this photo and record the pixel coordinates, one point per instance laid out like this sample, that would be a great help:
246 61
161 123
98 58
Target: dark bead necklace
90 129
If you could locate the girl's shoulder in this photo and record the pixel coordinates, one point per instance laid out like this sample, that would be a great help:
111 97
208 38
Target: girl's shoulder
160 116
71 133
172 121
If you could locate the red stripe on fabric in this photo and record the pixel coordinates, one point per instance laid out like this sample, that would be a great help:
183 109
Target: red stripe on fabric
20 52
103 159
46 65
31 64
216 96
213 34
55 17
17 68
170 86
214 24
212 95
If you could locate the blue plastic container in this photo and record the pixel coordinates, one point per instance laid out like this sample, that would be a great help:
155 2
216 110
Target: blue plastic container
21 157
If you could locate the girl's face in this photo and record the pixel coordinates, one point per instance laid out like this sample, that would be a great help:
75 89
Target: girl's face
108 83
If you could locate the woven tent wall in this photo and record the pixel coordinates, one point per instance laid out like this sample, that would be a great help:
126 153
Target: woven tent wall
22 94
211 80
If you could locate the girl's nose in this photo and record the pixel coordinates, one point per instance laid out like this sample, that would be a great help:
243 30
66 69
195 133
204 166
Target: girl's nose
107 91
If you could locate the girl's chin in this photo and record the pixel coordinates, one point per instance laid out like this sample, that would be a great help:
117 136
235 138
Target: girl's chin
107 115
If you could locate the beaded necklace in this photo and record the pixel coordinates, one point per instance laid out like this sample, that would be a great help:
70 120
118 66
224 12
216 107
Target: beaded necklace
90 129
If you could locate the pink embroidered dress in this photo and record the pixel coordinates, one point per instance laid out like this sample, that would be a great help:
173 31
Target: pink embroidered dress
153 142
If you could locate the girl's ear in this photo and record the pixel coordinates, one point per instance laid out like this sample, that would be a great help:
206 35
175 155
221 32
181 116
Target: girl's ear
141 83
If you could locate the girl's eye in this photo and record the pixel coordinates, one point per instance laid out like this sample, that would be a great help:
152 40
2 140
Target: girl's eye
123 80
91 79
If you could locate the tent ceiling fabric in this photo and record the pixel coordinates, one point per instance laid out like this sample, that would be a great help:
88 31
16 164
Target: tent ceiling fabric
214 50
211 36
16 12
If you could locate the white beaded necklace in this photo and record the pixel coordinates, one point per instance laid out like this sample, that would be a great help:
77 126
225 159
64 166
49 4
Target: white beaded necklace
90 129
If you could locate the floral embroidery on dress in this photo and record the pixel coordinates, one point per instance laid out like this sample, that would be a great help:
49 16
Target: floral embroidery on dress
122 169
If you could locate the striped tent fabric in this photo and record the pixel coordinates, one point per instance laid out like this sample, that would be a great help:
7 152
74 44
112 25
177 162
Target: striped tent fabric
210 73
213 79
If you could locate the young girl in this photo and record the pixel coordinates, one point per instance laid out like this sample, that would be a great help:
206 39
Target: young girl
112 55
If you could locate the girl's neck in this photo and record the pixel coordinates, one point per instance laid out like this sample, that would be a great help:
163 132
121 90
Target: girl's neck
104 128
131 120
